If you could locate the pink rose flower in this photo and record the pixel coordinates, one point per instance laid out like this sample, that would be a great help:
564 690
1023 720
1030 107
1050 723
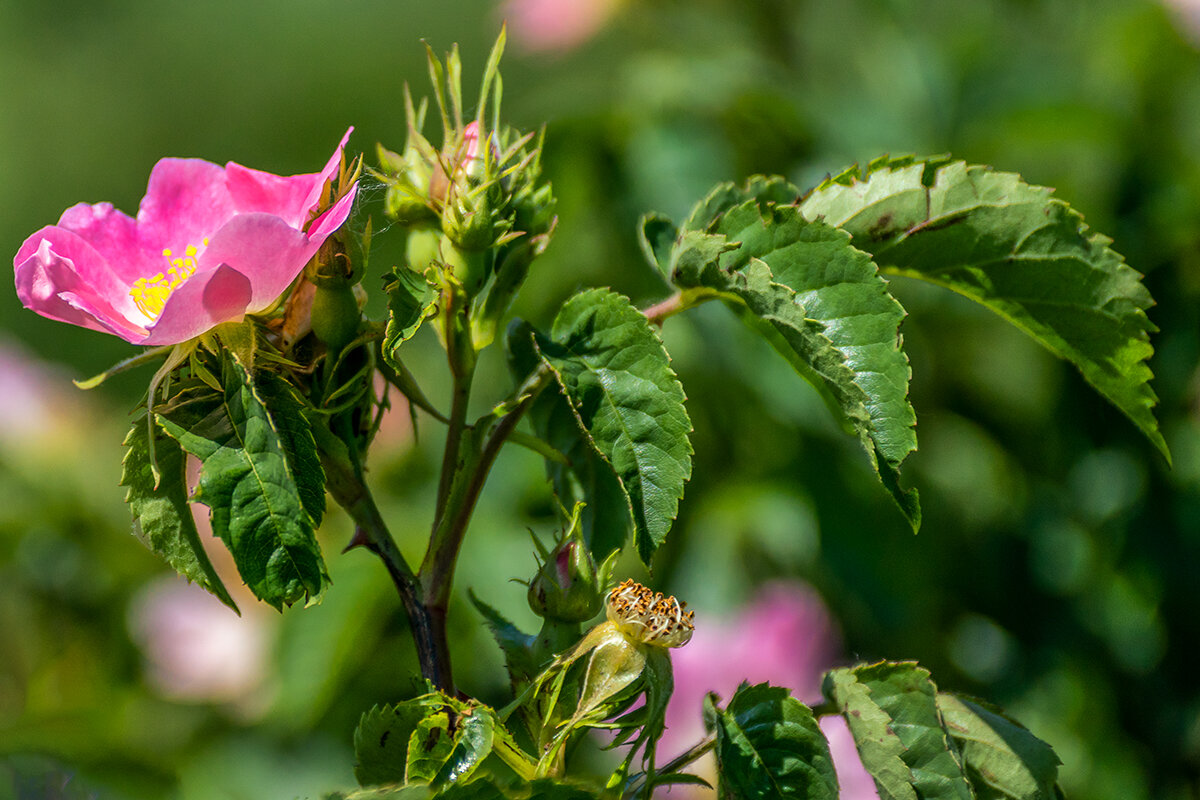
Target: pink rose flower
786 637
209 245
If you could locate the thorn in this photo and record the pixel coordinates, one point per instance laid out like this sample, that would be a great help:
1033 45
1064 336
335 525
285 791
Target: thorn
359 539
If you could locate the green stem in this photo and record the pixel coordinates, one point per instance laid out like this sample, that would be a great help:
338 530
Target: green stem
465 484
539 446
677 304
674 765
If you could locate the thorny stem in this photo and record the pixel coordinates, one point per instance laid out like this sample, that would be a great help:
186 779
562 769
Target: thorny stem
465 470
345 482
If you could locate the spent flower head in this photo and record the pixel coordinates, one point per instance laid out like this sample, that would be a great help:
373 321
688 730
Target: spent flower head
649 617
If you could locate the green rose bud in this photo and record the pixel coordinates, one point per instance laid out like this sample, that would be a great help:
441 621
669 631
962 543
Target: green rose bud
568 587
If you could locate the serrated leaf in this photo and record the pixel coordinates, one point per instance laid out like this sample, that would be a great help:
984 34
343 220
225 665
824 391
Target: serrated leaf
1015 249
770 747
416 742
867 332
547 789
410 298
617 376
474 734
892 712
246 482
382 736
162 517
414 792
607 516
287 412
1004 761
763 190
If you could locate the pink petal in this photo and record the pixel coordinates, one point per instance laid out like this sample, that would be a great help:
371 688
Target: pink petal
333 219
292 198
114 235
264 249
186 200
204 301
285 197
61 276
331 168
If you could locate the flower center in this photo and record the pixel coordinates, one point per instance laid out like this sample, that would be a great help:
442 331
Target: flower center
649 617
150 294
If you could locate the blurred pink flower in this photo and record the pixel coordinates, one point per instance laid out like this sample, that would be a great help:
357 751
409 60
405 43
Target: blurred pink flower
209 245
1187 13
545 25
33 403
786 637
195 649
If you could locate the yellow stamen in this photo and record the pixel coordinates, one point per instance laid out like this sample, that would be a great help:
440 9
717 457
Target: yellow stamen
150 294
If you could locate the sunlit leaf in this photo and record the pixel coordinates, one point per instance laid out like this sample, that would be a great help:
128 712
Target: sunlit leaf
892 712
613 369
431 739
409 300
587 477
1004 760
1015 249
248 485
769 747
826 312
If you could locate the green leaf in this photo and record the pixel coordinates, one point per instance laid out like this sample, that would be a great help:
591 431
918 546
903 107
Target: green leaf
414 792
617 376
587 477
410 298
547 789
656 235
765 191
1004 760
381 739
769 746
853 348
429 747
246 481
1013 248
412 741
474 734
287 412
892 712
162 517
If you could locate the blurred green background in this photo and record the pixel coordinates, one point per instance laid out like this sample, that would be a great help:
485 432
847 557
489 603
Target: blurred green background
1055 572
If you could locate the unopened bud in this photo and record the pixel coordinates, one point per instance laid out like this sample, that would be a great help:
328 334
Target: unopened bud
336 315
567 586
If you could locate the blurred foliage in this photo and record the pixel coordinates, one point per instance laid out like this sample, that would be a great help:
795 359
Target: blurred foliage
1055 572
